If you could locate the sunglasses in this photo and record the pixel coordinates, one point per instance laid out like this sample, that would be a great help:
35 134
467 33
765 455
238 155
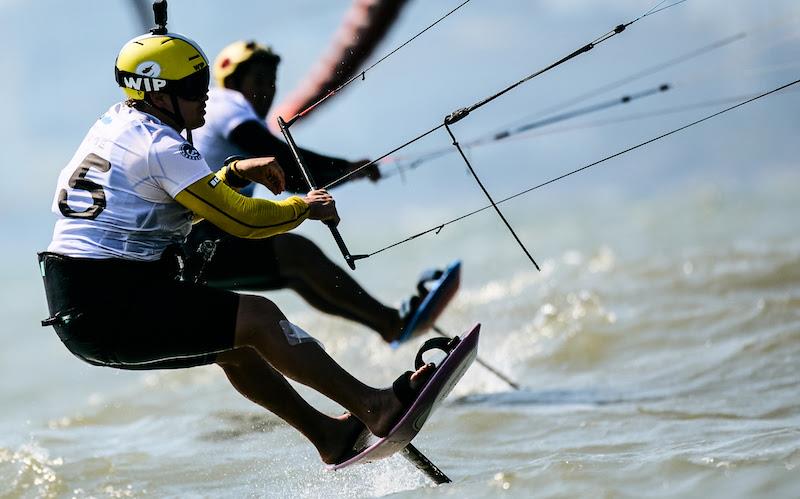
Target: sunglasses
194 87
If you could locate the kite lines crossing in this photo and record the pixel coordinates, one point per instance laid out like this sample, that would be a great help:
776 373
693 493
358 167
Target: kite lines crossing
464 112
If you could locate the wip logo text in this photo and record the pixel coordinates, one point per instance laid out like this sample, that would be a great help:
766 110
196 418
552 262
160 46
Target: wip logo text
143 83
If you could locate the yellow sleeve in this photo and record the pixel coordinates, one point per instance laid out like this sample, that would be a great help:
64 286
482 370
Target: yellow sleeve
229 175
239 215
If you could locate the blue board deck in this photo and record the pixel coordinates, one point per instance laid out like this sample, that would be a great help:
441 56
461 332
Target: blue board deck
440 292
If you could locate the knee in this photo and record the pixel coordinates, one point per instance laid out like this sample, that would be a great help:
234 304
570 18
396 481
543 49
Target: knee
255 317
238 358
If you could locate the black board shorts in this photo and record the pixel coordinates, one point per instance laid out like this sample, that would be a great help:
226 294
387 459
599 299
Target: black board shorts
237 263
136 315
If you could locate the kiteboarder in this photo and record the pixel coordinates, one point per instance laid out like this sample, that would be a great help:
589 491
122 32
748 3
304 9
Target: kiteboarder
245 73
127 198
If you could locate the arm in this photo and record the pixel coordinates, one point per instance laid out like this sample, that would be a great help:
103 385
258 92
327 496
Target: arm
212 199
254 138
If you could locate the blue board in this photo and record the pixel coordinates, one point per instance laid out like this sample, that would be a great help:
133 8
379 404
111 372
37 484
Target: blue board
430 396
440 292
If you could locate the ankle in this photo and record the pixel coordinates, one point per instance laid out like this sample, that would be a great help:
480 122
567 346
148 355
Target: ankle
393 325
370 407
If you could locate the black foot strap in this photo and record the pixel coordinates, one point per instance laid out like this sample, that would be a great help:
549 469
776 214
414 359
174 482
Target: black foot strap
446 345
425 278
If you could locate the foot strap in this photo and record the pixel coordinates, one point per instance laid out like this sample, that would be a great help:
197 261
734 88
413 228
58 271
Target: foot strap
402 385
426 277
446 345
402 389
409 306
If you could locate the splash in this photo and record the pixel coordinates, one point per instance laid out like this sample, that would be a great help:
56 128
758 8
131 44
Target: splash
30 470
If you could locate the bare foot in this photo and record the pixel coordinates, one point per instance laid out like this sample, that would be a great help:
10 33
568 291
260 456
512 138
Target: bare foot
342 436
386 408
393 328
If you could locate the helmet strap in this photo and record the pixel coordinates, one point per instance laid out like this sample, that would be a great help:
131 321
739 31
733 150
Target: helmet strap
179 117
175 115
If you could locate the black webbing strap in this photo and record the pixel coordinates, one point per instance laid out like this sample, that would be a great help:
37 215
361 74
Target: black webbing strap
439 343
425 278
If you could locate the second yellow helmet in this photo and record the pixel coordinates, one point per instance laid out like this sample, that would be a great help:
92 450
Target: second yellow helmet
232 56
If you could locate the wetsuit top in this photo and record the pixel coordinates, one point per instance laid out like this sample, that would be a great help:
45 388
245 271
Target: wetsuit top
233 128
133 185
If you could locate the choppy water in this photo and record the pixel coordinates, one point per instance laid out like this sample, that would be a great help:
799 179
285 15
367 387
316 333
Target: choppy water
659 347
659 358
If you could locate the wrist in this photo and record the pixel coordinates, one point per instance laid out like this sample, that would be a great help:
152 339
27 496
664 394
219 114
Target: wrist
235 171
233 177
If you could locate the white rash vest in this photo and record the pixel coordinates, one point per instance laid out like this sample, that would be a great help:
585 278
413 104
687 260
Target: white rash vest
115 198
225 110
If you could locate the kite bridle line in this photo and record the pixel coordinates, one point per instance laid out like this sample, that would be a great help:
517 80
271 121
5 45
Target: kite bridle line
462 113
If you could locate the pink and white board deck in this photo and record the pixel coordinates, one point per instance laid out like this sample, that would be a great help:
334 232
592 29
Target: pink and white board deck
446 376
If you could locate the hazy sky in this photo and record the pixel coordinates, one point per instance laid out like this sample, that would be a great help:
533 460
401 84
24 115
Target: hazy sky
58 58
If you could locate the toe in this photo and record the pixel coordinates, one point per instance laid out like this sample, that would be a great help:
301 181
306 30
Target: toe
422 375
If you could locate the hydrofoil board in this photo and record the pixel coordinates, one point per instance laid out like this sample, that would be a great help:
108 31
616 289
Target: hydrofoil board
429 397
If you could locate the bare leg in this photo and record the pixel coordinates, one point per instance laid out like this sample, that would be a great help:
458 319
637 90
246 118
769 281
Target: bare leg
302 267
254 378
329 288
257 327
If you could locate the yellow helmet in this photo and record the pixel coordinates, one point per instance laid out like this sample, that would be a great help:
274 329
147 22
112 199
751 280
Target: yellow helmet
236 53
168 63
